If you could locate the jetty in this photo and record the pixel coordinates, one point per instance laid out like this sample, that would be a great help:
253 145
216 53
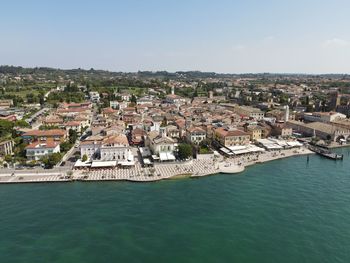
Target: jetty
325 153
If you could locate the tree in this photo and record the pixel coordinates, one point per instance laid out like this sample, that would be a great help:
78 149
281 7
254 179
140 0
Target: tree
51 160
164 123
73 136
84 159
6 128
8 158
22 124
41 100
133 99
65 146
185 151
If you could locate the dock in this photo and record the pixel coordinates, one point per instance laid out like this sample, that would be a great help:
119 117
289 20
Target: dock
326 153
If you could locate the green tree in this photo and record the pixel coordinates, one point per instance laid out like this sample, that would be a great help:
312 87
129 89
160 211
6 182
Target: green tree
41 100
51 160
84 159
6 128
73 136
8 158
22 124
65 146
185 151
133 99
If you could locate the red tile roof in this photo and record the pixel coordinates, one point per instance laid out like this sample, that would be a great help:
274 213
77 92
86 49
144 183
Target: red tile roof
48 144
53 132
226 133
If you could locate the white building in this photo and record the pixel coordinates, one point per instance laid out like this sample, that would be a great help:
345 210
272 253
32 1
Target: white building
111 148
90 149
196 135
123 96
175 99
114 104
37 150
94 96
145 100
117 148
6 147
161 145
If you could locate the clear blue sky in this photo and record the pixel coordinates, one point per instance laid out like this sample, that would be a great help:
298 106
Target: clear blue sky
299 36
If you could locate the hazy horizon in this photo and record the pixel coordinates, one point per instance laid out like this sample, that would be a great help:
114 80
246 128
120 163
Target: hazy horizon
303 37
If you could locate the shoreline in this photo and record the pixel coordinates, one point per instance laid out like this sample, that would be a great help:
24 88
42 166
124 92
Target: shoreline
171 171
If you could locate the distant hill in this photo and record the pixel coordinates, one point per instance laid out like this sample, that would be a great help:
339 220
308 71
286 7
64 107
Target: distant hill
15 70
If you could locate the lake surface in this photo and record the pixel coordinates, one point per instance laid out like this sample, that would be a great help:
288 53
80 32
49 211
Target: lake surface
283 211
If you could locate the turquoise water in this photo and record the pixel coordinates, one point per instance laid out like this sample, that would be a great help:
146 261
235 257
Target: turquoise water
283 211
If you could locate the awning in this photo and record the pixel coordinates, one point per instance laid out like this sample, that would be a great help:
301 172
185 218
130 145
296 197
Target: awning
295 144
155 157
171 156
125 163
225 150
147 161
167 156
79 163
96 164
163 157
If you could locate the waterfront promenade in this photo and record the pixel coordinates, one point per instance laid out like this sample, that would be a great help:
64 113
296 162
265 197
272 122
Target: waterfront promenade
161 171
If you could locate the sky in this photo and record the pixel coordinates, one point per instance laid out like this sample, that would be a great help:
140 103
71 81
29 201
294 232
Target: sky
227 36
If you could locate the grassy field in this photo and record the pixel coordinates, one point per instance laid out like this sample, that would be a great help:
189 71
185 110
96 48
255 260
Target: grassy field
24 90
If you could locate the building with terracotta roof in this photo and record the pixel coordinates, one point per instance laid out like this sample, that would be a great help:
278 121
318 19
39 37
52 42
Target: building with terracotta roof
137 136
45 135
53 121
231 137
109 112
10 117
73 125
